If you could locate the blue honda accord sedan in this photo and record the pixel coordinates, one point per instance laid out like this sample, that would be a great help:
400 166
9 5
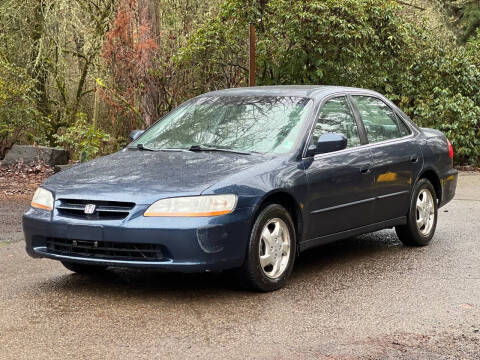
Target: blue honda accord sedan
247 179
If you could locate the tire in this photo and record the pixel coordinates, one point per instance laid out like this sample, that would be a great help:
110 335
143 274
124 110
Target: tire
272 271
412 234
84 269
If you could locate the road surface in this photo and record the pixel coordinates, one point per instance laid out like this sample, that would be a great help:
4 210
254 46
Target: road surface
367 297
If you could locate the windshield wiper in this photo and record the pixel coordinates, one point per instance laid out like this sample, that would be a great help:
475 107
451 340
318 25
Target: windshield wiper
199 147
142 147
207 147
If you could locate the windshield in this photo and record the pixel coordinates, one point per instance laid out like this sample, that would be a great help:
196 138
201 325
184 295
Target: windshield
267 124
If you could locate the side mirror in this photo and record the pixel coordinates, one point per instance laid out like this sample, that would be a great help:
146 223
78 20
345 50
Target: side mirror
328 143
135 134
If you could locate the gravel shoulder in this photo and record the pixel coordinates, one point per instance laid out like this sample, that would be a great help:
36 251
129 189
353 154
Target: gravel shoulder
11 211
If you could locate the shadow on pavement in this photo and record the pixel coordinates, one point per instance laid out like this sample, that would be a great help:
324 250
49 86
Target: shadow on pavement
337 258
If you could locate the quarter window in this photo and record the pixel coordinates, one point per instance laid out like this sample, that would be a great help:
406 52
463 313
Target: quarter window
404 130
380 122
337 117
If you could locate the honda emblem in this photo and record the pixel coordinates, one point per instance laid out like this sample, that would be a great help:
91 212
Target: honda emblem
89 209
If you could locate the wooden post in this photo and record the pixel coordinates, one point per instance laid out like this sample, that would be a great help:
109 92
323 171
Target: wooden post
252 55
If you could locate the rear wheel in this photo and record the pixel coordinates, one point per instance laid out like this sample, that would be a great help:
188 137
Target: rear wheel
271 250
422 216
83 268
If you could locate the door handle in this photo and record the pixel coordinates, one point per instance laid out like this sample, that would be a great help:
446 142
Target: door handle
414 158
365 170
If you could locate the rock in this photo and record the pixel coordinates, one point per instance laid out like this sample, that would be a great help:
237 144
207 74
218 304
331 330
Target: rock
58 168
30 154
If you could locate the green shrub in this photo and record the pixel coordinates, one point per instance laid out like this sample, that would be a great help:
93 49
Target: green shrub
473 49
84 140
343 42
458 117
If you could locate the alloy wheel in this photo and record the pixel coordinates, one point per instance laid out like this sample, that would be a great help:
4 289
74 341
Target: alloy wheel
425 212
274 248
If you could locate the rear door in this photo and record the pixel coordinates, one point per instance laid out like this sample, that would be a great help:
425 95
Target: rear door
339 183
396 157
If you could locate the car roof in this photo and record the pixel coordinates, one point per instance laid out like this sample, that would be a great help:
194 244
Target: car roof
310 91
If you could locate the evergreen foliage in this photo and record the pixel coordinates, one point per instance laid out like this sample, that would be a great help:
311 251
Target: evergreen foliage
105 66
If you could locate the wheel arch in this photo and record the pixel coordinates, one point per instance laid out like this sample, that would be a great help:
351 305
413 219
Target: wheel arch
289 202
432 176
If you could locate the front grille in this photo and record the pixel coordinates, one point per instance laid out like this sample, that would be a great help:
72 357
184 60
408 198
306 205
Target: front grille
105 249
104 210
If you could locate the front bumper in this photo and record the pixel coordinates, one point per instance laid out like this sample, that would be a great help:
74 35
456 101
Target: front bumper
188 244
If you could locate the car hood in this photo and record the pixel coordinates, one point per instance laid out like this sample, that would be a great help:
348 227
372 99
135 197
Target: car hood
144 176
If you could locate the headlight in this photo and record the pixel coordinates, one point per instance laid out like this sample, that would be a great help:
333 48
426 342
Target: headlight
42 199
207 205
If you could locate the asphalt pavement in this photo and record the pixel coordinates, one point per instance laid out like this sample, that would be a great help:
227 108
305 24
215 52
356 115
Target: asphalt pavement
367 297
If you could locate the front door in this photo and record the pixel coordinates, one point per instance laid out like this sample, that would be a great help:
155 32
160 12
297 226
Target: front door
339 183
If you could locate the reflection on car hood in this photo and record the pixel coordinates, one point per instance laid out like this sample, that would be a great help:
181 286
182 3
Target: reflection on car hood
140 175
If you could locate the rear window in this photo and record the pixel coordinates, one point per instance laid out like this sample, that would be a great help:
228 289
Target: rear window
380 121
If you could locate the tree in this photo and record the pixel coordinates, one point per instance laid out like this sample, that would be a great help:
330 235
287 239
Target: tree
128 53
301 43
19 119
58 43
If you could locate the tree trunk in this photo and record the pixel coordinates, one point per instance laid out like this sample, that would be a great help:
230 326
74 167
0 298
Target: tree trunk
147 14
38 70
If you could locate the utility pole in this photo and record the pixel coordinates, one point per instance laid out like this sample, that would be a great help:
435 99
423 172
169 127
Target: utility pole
252 55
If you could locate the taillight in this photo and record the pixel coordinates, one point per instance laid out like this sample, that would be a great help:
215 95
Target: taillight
450 149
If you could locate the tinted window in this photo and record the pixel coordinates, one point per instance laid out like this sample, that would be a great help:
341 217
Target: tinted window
381 123
404 130
248 123
337 117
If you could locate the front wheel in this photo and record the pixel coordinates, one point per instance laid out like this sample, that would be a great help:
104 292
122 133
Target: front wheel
271 250
422 216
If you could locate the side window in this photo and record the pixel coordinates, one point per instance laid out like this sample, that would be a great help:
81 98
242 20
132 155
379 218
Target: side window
337 117
381 123
404 130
